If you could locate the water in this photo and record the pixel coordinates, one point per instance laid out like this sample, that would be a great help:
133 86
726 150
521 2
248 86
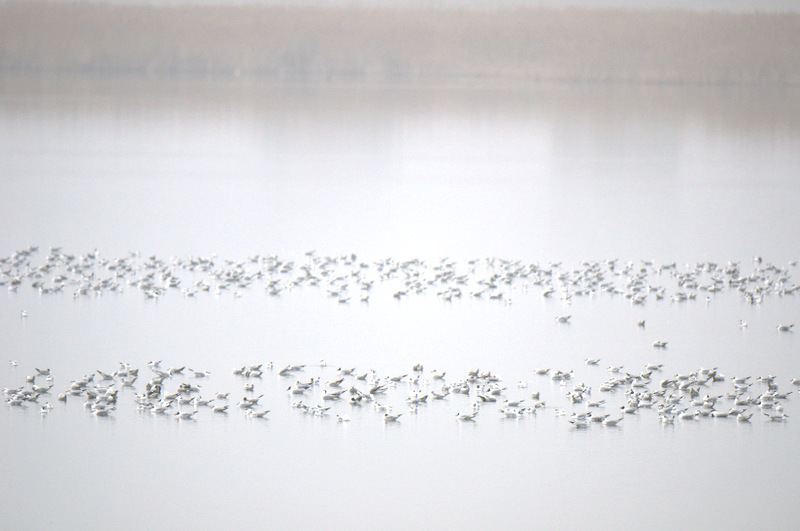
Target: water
547 174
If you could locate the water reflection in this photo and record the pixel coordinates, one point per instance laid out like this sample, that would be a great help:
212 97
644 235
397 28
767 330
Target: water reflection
663 172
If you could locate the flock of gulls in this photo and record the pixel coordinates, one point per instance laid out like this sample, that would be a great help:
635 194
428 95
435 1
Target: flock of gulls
346 279
181 392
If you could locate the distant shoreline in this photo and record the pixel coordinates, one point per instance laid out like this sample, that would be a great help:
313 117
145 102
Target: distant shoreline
362 46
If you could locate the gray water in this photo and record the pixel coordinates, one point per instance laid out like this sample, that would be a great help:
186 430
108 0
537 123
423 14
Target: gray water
554 173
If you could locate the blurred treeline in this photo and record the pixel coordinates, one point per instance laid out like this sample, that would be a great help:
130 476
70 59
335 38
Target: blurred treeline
401 45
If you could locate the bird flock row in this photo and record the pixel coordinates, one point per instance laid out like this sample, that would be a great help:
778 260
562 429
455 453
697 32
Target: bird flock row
348 279
180 392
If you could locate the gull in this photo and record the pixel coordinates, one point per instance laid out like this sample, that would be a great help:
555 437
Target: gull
257 415
563 318
660 344
391 417
509 413
342 418
785 328
640 323
466 417
336 383
221 409
13 363
248 403
185 415
333 395
612 422
592 361
440 396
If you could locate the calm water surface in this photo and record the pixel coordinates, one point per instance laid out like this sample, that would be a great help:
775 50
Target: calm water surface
553 173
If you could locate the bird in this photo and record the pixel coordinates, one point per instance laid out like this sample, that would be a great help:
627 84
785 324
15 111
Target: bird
391 417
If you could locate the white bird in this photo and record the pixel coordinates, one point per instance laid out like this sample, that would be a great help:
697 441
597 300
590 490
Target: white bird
391 417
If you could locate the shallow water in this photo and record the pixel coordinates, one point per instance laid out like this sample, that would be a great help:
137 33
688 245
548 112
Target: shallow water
555 173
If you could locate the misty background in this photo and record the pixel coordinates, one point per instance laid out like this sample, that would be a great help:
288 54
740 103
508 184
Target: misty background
407 43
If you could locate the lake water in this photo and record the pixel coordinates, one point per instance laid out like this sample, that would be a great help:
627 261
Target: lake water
556 173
